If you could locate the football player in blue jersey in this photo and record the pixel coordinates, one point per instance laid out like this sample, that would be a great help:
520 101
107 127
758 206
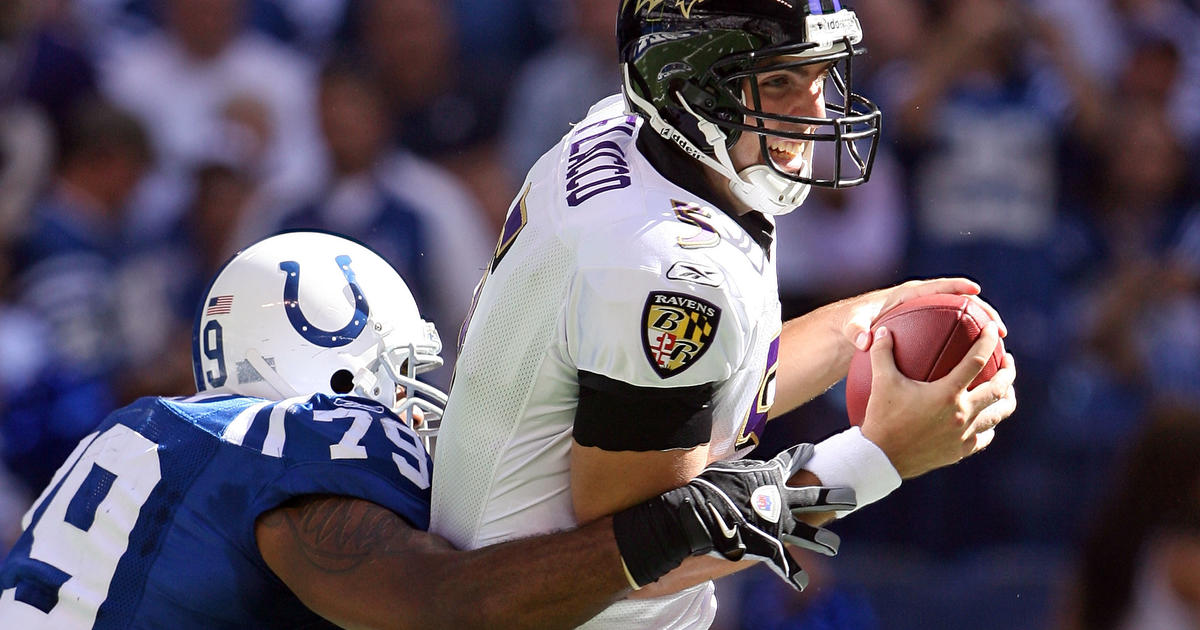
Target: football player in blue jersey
293 490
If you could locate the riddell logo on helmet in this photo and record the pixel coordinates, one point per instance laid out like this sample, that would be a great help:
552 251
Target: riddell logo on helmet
828 29
679 139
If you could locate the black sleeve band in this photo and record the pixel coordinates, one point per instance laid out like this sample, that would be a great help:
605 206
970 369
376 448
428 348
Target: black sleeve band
616 416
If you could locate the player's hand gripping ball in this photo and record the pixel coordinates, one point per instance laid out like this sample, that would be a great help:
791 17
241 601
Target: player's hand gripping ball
930 334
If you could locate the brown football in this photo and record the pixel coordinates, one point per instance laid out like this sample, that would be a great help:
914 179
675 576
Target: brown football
931 335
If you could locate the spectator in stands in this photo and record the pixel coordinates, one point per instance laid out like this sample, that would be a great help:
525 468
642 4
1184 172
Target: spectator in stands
26 147
66 268
183 80
1108 34
554 89
355 202
415 216
1139 568
499 35
443 114
1134 298
21 356
43 58
170 277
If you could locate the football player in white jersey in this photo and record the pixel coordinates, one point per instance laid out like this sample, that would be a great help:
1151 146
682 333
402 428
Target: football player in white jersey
627 331
291 490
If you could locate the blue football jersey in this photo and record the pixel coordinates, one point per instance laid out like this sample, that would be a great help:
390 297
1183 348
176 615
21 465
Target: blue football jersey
150 522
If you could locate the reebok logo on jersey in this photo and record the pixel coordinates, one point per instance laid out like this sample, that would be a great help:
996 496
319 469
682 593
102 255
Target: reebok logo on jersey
766 502
679 328
699 273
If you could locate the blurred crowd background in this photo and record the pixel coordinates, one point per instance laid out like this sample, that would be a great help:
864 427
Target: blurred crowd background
1047 149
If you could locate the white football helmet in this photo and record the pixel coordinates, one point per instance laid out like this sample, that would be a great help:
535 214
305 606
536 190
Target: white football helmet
307 312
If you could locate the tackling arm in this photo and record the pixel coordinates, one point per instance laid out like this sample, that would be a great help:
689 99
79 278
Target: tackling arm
601 484
701 515
361 565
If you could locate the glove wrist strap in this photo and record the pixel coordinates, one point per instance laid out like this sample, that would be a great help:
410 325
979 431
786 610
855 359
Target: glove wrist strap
654 537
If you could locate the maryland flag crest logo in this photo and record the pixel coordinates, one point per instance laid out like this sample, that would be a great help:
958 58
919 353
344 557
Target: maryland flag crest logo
679 329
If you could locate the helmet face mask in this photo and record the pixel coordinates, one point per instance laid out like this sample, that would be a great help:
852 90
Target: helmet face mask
303 313
693 74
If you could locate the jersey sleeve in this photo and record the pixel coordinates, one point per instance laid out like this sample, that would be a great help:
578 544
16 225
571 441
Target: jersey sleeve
632 324
349 447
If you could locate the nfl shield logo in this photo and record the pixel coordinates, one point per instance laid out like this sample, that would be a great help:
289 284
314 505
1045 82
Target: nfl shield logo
678 329
767 502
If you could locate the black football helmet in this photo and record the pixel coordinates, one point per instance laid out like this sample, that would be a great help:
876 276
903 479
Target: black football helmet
685 63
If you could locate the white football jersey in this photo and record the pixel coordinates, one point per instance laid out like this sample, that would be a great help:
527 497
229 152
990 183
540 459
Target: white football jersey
607 267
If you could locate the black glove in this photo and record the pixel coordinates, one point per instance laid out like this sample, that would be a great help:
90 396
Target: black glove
733 509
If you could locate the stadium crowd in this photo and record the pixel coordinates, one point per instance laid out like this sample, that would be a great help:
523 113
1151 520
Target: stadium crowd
1047 149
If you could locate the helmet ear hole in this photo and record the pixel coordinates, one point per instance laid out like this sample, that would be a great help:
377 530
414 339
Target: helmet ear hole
342 382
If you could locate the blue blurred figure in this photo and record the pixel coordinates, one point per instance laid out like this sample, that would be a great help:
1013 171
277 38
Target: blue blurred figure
67 277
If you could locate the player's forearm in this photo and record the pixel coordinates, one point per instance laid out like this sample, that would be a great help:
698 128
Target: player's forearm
361 566
601 483
555 581
813 355
693 571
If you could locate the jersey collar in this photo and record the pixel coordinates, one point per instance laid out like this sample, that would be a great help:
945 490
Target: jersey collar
673 164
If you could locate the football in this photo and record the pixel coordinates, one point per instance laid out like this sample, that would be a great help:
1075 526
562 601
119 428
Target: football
930 335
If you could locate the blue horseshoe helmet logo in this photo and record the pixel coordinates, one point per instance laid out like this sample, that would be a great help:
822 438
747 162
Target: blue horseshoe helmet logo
318 336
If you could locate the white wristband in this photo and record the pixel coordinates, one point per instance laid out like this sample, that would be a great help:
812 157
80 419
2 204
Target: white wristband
850 459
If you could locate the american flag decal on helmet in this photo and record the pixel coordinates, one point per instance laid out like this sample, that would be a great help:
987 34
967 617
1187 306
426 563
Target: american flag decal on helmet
219 305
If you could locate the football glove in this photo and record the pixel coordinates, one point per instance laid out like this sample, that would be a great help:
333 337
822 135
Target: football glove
734 510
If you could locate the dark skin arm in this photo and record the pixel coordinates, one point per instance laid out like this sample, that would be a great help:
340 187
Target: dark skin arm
360 565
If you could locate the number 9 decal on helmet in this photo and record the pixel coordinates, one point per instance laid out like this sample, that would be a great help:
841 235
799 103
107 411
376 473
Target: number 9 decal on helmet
303 313
700 72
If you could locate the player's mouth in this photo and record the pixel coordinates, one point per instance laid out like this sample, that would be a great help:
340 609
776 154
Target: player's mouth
788 156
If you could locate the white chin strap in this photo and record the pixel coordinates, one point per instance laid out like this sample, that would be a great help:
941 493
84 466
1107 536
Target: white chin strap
756 186
780 196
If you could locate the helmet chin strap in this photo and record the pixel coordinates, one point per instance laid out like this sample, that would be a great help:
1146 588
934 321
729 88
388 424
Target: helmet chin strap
785 195
756 186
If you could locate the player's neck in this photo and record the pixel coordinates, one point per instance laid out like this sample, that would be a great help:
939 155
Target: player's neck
672 163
